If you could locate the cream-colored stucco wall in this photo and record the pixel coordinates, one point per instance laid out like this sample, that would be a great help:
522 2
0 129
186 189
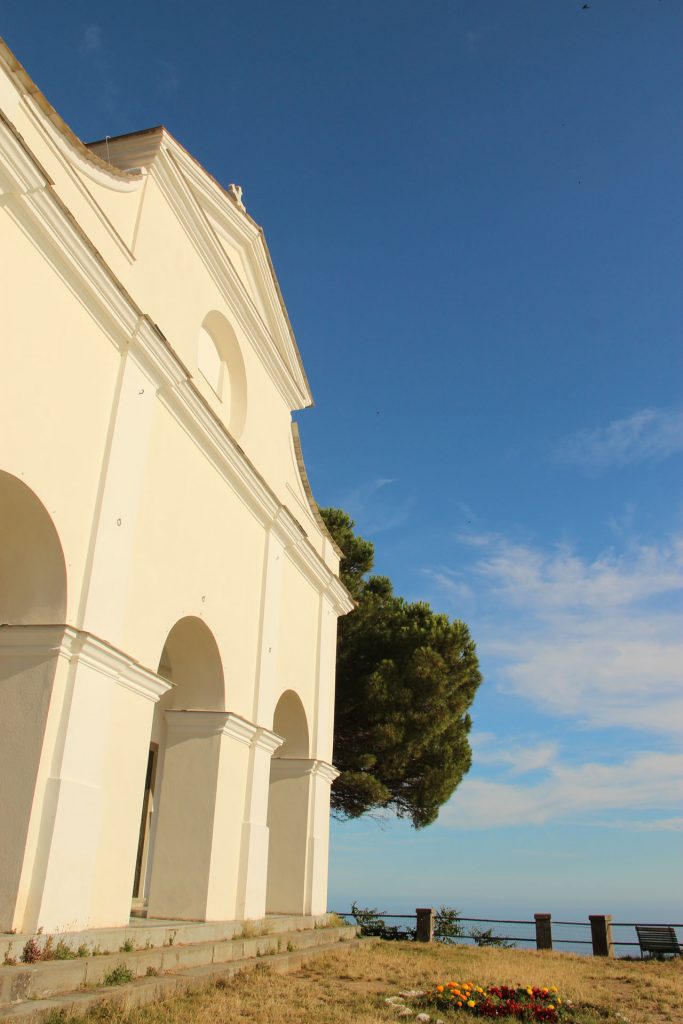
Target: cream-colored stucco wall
163 518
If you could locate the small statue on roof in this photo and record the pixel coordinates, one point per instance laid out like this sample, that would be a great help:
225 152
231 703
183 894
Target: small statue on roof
236 193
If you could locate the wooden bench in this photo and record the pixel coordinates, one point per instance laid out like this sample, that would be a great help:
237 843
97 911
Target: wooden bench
657 940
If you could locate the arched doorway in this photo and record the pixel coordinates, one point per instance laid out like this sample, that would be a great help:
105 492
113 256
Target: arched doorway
288 809
191 661
33 593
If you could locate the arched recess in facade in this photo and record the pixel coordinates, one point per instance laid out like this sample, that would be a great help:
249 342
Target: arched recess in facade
202 755
288 809
185 782
33 594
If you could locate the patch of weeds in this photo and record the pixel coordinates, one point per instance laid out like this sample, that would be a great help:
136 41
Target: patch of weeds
250 930
333 921
127 947
31 953
9 960
485 937
55 1017
96 951
291 946
152 972
62 951
120 975
82 950
48 951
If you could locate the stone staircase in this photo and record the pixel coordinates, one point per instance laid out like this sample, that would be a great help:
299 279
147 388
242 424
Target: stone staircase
153 960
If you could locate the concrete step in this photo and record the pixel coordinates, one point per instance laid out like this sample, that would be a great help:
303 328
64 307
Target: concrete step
52 977
146 932
183 978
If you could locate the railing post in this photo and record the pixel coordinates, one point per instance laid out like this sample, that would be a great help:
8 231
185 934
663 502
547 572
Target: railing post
544 931
601 934
425 924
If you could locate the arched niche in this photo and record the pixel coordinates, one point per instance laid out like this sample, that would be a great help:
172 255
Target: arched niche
32 567
220 363
289 720
288 805
190 659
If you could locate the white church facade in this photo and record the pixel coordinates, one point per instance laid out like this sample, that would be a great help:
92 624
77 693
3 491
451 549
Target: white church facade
168 592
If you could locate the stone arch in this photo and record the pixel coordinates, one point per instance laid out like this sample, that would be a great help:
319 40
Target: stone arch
289 721
33 582
288 806
191 661
221 363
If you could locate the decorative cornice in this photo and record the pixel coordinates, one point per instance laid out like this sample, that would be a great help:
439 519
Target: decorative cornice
19 170
198 722
300 767
267 740
81 647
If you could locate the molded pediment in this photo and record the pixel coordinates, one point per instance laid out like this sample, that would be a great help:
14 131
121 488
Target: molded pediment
217 220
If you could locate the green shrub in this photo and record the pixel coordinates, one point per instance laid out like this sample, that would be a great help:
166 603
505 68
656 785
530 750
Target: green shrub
120 975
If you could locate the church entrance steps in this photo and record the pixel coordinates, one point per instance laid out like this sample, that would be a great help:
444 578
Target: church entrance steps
148 932
33 990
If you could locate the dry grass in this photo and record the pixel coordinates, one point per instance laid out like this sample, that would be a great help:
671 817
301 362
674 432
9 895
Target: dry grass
349 987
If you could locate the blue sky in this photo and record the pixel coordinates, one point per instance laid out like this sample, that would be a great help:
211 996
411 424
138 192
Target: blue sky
474 209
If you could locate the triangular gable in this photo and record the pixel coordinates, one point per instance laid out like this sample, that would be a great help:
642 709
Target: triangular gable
221 223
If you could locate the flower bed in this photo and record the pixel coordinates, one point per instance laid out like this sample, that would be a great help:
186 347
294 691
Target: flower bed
495 1002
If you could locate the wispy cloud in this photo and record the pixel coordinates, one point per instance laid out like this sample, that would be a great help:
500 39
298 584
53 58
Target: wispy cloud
93 50
92 39
647 435
598 640
645 782
374 510
519 758
167 80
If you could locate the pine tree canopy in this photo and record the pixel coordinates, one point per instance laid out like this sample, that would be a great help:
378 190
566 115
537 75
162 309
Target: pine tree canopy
406 677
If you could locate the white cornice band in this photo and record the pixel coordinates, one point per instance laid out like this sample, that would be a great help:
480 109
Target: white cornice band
79 646
196 722
296 767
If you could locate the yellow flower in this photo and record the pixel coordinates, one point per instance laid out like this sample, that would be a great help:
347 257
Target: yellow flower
529 991
471 1002
553 989
550 1006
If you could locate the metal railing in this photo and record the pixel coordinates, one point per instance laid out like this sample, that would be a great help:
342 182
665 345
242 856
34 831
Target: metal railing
600 926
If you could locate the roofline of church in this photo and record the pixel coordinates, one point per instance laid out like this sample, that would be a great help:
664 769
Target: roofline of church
84 150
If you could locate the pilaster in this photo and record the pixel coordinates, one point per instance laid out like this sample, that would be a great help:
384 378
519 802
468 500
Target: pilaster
86 753
195 874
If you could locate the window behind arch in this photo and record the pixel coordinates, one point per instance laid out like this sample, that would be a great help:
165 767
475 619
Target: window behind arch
209 361
221 365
